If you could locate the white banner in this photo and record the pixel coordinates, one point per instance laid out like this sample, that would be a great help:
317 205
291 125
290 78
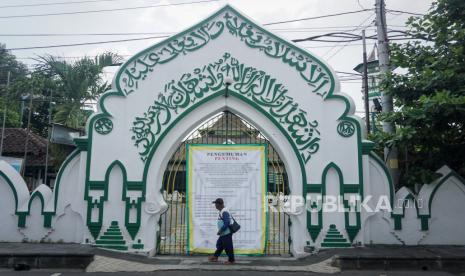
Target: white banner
237 174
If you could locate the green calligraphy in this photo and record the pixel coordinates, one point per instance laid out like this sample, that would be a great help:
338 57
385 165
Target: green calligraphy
249 82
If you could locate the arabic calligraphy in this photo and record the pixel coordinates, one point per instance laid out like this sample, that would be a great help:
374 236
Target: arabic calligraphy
103 126
309 70
312 72
249 82
345 129
138 69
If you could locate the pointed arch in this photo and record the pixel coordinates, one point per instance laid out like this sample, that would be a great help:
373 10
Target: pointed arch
320 78
131 227
315 229
44 194
289 115
404 194
18 188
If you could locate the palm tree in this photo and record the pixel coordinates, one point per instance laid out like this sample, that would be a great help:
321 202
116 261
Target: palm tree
78 83
75 84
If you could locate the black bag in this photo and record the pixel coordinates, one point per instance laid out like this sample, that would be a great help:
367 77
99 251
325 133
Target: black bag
234 227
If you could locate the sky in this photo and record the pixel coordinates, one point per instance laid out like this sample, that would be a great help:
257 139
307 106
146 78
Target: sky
168 19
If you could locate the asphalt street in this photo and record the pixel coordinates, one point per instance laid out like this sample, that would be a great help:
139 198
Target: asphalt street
224 273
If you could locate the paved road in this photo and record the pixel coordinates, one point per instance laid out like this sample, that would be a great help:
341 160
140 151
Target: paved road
225 273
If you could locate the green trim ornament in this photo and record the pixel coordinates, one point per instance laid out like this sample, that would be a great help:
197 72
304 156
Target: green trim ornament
103 126
345 129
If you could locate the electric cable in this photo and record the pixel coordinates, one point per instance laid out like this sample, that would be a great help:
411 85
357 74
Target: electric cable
105 10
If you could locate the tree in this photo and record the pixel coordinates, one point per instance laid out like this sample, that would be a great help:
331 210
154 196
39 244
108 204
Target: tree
40 87
430 97
17 70
78 83
8 62
74 85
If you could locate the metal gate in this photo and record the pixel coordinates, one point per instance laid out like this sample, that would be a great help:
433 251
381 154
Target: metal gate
223 128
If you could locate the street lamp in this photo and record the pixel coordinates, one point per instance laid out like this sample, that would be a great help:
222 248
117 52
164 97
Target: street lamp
227 81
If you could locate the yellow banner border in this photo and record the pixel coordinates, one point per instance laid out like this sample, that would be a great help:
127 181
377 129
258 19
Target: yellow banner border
235 147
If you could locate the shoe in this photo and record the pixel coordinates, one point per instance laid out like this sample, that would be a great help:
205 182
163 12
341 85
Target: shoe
229 263
212 258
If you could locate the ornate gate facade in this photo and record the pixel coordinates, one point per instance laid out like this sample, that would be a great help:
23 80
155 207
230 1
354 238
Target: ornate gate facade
223 128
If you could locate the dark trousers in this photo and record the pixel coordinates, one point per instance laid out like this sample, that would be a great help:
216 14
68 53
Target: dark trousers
225 243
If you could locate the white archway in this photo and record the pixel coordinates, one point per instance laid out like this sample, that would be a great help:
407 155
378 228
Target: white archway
172 140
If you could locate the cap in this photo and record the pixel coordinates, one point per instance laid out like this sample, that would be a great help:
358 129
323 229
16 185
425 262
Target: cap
218 201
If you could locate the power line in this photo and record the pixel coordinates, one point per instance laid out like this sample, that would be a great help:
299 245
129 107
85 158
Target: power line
398 37
76 57
130 55
405 12
348 73
67 57
106 10
347 43
316 17
290 30
136 33
314 31
324 28
86 34
55 3
346 78
349 37
337 51
84 43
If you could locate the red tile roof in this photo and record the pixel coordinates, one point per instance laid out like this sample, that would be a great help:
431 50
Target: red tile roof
15 140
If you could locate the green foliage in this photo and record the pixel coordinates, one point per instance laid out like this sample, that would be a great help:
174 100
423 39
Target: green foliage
430 97
77 83
8 62
72 84
17 70
40 87
12 113
60 153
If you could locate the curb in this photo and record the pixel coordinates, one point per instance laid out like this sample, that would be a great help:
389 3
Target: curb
107 264
71 261
450 264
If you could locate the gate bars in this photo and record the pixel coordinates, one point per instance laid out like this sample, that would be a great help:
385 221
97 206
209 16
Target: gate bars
223 128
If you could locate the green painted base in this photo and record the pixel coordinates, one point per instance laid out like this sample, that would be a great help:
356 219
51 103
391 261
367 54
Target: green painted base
334 238
138 246
115 247
112 238
334 244
110 242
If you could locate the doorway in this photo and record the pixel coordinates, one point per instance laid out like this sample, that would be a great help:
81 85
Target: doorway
222 128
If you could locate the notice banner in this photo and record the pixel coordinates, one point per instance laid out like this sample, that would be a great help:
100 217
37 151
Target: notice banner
236 173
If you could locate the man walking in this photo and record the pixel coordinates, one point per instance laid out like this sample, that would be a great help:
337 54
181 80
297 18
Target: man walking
225 235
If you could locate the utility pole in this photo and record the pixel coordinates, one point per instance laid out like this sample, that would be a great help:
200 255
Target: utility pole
365 84
49 130
5 106
390 154
28 128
